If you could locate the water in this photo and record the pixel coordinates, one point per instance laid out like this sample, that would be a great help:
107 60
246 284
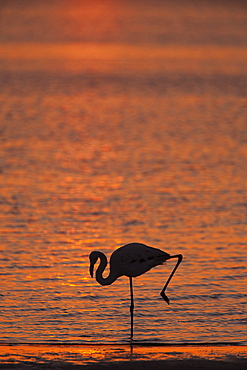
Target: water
123 121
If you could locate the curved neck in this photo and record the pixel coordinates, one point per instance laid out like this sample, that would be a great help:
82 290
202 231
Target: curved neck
100 279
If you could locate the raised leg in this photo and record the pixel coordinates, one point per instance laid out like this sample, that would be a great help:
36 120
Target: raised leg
162 293
131 309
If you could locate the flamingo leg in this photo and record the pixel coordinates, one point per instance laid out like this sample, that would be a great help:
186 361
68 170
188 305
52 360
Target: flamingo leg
162 293
131 309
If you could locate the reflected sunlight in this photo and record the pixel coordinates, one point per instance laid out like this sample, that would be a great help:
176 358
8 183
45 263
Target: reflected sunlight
109 57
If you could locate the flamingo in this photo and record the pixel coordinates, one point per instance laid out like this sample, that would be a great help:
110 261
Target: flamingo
131 260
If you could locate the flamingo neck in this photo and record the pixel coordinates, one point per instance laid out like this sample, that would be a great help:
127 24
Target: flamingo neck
99 277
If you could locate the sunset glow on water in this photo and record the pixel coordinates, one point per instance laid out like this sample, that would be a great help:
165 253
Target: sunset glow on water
122 121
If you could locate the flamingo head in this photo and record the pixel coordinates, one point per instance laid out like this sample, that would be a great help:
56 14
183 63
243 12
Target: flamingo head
93 259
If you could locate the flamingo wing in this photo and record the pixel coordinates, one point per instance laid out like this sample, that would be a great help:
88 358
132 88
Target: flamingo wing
135 259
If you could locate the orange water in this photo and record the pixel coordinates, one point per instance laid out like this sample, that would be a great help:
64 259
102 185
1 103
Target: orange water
85 354
123 121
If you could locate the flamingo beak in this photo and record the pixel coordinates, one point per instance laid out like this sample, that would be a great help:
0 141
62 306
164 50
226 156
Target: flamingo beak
91 269
93 259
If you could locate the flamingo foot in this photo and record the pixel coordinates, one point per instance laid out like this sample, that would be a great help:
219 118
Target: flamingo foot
164 296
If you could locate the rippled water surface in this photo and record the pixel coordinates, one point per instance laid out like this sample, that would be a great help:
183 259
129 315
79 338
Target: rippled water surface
123 121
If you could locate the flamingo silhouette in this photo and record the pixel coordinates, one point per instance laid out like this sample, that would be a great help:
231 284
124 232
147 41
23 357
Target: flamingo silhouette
131 260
